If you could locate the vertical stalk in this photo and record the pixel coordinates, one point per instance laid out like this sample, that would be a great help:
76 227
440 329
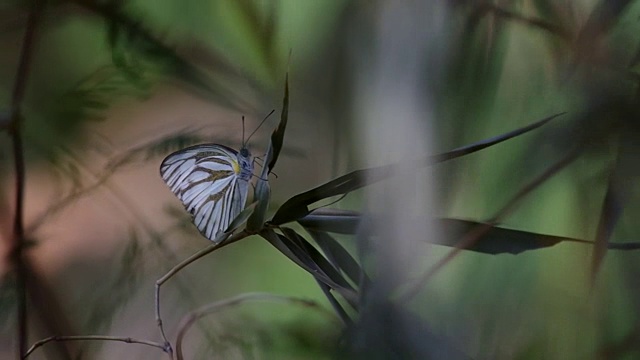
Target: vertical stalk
17 242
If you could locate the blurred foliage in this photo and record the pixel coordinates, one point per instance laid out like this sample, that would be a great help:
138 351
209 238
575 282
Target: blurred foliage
510 63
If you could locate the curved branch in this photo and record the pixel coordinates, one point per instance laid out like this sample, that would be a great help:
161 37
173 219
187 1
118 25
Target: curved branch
17 244
239 236
189 319
92 338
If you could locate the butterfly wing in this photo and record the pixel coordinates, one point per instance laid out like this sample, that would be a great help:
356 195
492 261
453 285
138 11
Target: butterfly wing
207 179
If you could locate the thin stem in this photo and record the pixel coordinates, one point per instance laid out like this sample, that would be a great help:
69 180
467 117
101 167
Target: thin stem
472 236
182 265
189 319
92 338
16 247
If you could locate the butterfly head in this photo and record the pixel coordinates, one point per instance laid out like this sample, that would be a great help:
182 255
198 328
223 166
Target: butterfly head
245 164
244 152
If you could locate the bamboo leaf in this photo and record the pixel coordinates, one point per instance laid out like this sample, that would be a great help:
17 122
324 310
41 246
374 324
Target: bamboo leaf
316 257
296 254
338 255
497 240
611 211
297 206
277 137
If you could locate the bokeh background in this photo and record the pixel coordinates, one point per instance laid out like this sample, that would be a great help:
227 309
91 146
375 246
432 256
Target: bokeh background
114 86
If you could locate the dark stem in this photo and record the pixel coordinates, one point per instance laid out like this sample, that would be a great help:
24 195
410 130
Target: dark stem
17 251
17 243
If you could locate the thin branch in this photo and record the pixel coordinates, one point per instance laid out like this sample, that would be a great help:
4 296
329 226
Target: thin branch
189 319
239 236
92 338
102 179
138 216
471 237
16 247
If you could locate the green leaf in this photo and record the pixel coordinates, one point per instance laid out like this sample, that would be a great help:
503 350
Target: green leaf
297 206
317 257
611 210
338 255
496 240
277 137
127 33
159 147
301 258
326 290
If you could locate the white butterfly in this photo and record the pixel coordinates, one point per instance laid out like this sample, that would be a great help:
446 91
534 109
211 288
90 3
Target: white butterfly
212 181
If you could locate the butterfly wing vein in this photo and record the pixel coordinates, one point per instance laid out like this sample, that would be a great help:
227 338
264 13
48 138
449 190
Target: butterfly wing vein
207 180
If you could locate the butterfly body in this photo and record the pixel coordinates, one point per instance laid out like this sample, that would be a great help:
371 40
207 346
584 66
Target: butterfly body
212 181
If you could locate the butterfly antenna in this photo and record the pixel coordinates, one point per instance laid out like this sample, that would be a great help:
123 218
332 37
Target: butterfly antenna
262 122
243 142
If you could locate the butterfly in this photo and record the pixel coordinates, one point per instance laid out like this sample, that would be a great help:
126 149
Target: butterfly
212 181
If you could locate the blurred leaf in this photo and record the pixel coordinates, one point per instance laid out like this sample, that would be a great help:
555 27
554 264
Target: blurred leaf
126 33
611 210
159 147
171 143
496 241
47 309
299 256
130 262
91 96
617 349
485 8
115 291
603 16
338 255
260 29
587 45
387 330
277 137
296 207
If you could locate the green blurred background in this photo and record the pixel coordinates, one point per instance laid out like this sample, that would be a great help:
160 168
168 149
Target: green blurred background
127 82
